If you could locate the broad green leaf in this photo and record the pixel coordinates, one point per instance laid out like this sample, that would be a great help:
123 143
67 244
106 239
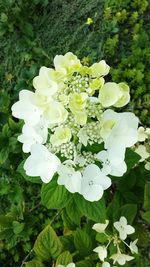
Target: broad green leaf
68 242
64 259
95 211
54 196
17 227
85 263
73 211
147 196
131 158
129 211
47 244
83 242
21 170
34 263
113 209
68 223
146 216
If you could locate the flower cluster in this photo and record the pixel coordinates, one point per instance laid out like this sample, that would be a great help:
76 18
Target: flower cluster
72 109
118 242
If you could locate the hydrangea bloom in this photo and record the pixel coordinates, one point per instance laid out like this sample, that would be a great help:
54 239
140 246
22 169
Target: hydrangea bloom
123 228
65 115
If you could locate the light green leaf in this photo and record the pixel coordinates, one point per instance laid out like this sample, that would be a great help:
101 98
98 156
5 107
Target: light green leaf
17 227
64 259
95 211
34 263
47 244
54 196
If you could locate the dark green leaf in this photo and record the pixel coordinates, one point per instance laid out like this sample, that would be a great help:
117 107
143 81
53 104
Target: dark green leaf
54 196
129 211
95 211
73 211
147 196
83 242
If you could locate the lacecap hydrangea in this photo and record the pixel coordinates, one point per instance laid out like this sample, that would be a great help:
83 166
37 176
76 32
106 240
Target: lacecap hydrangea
71 110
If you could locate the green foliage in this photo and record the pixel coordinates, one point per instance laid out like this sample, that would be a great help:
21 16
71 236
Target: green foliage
32 33
64 258
54 196
47 244
95 211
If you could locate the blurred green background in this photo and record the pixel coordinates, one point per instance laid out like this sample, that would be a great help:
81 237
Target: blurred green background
31 34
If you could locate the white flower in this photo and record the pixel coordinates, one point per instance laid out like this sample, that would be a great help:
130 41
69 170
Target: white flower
99 69
125 98
25 108
105 264
141 150
69 63
69 265
112 165
94 182
143 134
123 228
41 163
43 83
133 246
109 94
61 135
121 258
70 178
56 113
102 252
122 131
83 137
147 166
33 135
100 227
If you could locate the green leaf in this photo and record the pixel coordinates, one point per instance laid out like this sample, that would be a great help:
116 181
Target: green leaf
73 211
4 153
85 263
129 211
113 209
54 196
83 242
68 223
64 259
6 220
47 244
95 211
17 227
146 216
147 196
21 170
68 242
131 158
34 263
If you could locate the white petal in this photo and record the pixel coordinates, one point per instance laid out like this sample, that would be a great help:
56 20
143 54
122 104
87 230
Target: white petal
92 193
